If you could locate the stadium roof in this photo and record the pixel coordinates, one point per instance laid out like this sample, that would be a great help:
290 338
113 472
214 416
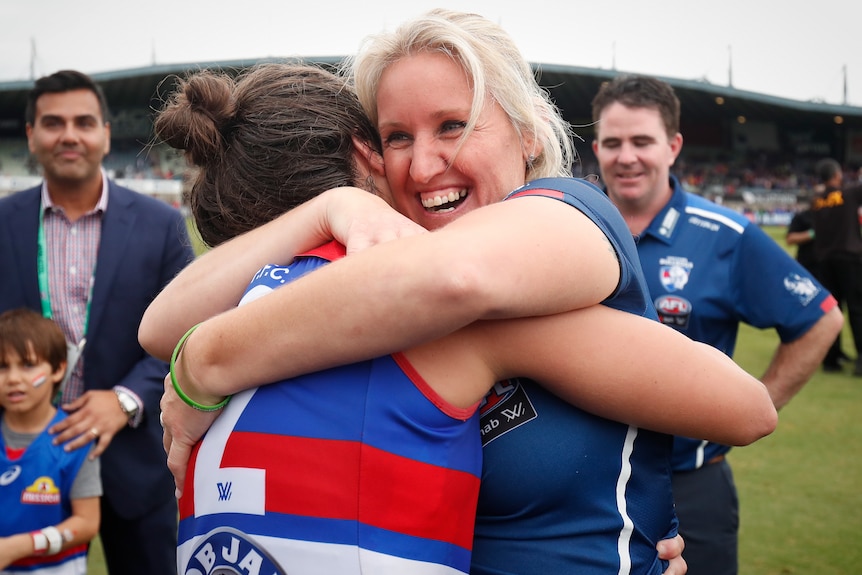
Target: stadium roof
572 88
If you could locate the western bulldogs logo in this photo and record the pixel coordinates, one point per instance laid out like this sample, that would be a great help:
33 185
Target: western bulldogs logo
674 272
801 287
226 551
673 310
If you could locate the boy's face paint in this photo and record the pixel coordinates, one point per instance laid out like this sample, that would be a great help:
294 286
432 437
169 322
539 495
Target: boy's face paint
22 382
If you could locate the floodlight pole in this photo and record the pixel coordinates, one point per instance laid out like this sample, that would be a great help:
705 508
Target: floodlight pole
729 66
845 84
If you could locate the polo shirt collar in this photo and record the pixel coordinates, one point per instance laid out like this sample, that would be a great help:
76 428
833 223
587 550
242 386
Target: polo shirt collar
665 224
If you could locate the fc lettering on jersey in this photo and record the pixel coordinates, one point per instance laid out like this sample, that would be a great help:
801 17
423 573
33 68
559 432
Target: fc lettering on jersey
271 275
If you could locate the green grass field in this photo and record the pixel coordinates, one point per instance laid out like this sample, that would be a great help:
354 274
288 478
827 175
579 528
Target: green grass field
800 489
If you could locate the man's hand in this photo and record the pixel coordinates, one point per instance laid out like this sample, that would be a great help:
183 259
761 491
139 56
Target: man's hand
671 550
96 415
183 428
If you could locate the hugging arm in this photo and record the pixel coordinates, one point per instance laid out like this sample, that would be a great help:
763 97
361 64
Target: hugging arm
505 260
215 281
635 370
612 363
615 364
501 260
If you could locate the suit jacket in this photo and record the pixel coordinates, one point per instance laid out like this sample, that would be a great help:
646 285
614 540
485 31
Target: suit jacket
144 244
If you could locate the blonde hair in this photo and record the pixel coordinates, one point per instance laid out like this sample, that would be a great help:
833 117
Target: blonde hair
494 66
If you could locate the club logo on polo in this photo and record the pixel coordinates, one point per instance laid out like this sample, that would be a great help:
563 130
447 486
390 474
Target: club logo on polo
674 272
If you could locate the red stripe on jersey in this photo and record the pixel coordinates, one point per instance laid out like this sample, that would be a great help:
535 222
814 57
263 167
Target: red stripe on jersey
539 192
329 251
304 476
325 478
455 412
48 560
419 499
187 501
829 303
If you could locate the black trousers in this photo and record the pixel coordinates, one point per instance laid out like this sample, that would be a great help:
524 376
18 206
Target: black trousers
708 510
145 545
842 275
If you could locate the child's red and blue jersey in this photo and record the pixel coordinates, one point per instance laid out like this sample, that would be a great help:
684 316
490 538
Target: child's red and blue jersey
357 469
34 493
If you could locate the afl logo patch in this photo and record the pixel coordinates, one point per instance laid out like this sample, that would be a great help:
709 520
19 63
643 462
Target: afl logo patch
673 310
226 551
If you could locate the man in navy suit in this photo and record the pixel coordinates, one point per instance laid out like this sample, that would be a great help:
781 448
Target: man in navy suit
92 255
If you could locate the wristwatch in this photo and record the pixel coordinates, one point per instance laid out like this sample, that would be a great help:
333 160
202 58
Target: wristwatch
127 404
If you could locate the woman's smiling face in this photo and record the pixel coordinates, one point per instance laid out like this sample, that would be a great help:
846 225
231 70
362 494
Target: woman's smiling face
423 104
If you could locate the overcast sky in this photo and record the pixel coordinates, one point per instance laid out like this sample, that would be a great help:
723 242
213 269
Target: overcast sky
796 49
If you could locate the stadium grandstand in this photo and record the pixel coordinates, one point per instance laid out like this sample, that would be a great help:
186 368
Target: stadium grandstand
743 148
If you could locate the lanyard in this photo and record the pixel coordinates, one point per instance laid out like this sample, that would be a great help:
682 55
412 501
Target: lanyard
42 272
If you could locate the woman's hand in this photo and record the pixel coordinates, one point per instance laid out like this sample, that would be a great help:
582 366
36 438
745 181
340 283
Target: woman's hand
671 550
183 428
215 281
359 219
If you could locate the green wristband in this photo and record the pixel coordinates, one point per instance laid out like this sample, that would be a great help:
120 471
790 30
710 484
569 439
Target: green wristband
186 399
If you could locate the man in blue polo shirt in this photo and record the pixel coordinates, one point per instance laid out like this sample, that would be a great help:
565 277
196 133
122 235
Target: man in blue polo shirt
708 269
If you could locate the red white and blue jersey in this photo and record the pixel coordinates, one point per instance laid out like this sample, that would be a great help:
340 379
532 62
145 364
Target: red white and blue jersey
34 493
357 469
708 269
564 491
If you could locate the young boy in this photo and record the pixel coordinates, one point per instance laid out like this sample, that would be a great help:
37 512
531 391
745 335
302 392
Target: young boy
49 497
